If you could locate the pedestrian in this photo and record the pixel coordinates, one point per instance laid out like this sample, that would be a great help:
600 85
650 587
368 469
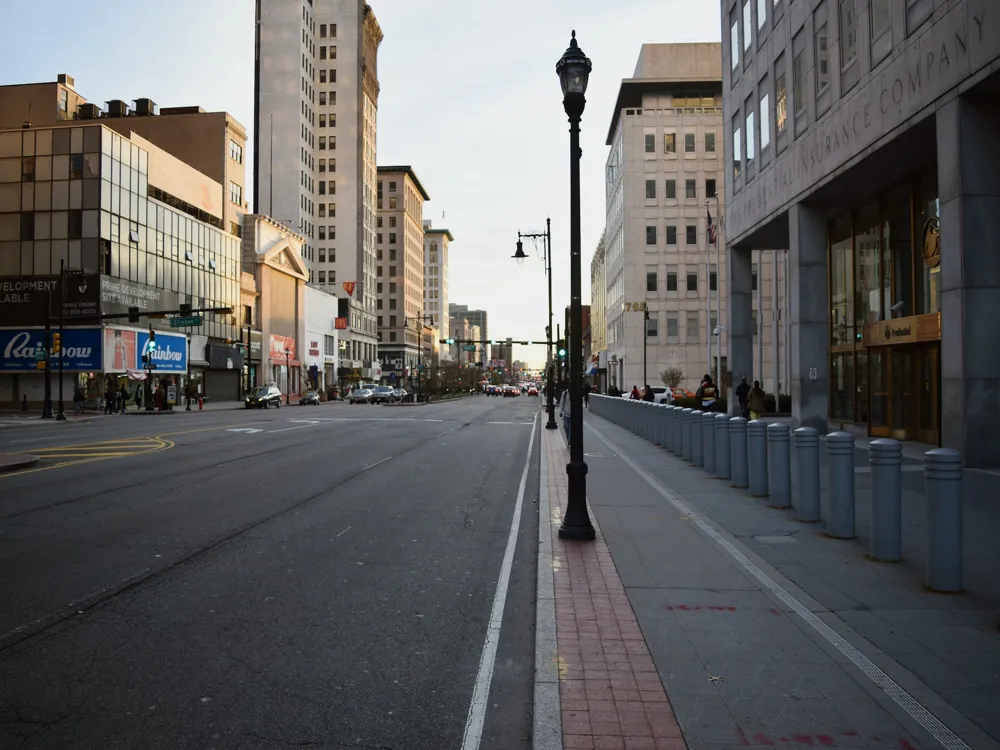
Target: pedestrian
110 398
742 394
586 395
707 393
756 401
635 395
647 394
78 399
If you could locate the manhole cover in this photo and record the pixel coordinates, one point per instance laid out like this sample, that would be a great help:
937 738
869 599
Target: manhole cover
600 455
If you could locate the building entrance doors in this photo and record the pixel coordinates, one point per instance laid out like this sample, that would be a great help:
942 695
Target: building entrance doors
905 392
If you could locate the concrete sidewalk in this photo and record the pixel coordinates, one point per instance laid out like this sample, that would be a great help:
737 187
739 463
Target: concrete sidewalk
768 633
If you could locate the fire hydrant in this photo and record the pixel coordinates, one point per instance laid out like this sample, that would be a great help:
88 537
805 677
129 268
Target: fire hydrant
201 403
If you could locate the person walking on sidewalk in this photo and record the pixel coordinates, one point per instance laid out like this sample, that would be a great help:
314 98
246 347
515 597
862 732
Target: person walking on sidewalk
647 394
742 394
78 400
635 395
707 393
586 395
756 401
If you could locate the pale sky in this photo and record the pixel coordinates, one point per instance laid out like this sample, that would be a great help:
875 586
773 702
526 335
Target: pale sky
469 98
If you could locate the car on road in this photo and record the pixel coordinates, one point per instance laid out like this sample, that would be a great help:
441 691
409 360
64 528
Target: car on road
309 398
360 396
532 390
382 394
511 391
400 394
263 397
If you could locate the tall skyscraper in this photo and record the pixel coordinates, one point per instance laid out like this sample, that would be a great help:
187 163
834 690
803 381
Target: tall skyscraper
436 249
317 78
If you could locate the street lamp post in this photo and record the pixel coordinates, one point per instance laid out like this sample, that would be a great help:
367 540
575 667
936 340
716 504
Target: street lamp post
420 348
574 70
519 256
63 274
645 340
187 376
288 375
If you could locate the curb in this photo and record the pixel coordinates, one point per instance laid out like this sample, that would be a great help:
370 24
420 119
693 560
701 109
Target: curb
547 715
15 461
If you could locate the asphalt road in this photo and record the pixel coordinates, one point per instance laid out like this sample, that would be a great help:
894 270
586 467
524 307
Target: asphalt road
304 577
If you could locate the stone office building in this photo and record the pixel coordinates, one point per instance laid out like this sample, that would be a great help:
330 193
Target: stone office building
861 135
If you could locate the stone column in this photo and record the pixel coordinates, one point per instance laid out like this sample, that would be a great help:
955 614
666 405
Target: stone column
739 275
810 349
969 194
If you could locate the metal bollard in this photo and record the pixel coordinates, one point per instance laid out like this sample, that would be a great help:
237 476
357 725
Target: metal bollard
668 428
686 433
696 443
651 423
943 488
678 427
886 457
757 458
722 446
840 455
779 465
807 474
708 441
738 459
661 425
647 420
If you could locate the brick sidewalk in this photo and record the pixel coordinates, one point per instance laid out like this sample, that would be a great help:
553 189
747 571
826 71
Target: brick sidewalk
610 693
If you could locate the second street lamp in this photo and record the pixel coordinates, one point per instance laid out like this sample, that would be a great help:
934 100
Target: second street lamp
574 71
519 256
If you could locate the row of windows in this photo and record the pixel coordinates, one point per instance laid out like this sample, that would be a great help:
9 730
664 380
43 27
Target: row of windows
690 235
323 28
670 143
692 333
652 280
690 189
323 275
323 52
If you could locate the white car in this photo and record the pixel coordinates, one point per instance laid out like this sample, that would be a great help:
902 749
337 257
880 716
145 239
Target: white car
661 394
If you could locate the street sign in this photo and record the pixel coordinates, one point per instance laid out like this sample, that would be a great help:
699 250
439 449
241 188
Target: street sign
469 347
39 355
190 320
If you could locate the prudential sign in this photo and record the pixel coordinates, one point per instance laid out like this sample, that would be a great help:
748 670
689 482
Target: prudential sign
168 355
81 349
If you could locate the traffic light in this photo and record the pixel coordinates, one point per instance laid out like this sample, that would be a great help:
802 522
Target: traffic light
56 343
561 349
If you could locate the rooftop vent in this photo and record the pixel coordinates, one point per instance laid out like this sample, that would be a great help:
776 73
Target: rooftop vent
88 112
65 80
145 108
117 108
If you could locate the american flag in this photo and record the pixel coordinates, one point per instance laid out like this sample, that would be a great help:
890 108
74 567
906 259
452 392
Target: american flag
712 236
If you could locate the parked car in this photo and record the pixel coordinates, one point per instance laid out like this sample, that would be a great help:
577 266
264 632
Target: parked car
382 394
310 397
263 397
400 394
360 396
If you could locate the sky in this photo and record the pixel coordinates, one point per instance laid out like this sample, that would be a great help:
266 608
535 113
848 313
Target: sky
469 98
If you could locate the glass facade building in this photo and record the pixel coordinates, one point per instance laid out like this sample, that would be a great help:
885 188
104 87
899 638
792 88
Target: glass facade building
82 195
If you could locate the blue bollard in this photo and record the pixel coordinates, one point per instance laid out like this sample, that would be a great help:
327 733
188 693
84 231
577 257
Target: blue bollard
757 457
886 458
943 488
708 441
697 446
738 458
722 446
779 465
668 428
840 456
686 433
807 474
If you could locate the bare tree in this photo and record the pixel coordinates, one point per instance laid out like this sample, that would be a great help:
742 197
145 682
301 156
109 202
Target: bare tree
672 377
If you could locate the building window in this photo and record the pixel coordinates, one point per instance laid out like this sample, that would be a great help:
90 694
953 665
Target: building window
27 225
750 136
392 238
710 142
322 53
693 328
235 193
63 100
651 281
761 14
322 255
670 143
690 189
691 234
747 27
710 188
392 201
392 222
235 152
822 60
76 166
713 281
651 190
322 31
27 169
734 42
671 281
322 98
671 234
651 329
322 76
848 32
671 190
672 329
650 235
780 104
650 143
765 122
322 277
689 143
798 78
333 30
880 16
753 279
322 143
333 52
737 145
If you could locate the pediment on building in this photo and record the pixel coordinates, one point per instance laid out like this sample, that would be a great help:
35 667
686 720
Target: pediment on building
282 257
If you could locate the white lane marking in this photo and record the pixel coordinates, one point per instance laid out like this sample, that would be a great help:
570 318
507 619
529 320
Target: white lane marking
932 724
249 430
481 694
343 532
372 466
525 424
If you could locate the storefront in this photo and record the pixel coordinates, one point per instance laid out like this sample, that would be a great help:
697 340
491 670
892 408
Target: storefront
125 369
22 374
284 366
885 320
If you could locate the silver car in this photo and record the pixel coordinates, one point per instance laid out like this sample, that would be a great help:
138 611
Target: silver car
360 396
